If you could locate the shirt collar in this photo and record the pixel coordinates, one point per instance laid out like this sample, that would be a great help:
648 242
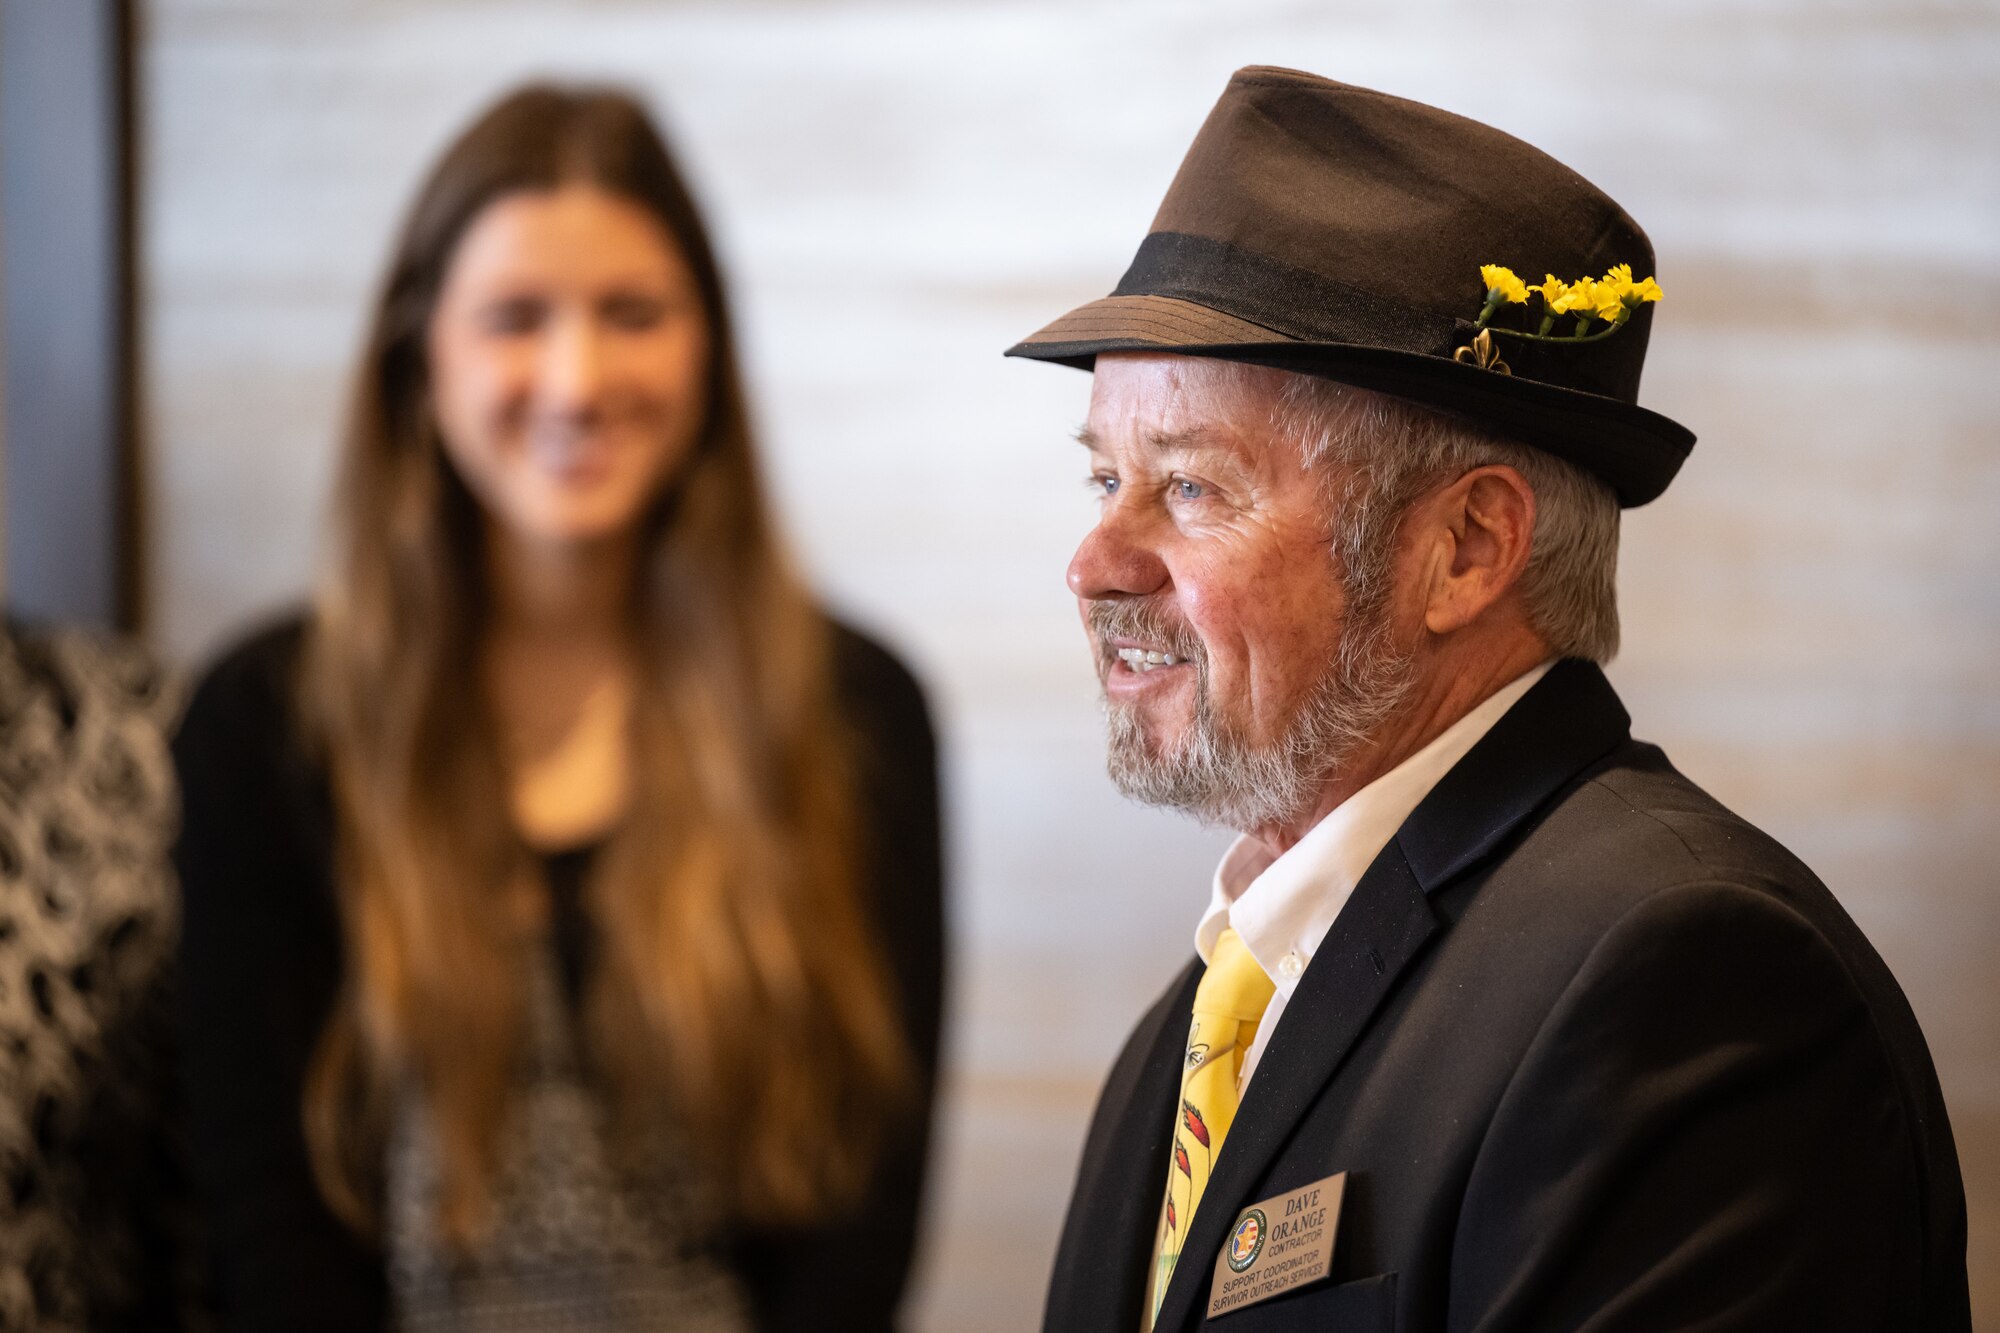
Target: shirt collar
1282 907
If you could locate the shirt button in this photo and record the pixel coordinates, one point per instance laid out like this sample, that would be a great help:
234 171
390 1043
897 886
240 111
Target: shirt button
1291 965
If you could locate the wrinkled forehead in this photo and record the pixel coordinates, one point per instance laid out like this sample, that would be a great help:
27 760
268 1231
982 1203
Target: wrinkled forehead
1150 400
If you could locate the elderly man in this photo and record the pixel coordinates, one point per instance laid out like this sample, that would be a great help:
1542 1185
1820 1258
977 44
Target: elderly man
1499 1022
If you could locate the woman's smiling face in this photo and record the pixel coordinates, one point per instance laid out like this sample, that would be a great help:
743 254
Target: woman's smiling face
569 358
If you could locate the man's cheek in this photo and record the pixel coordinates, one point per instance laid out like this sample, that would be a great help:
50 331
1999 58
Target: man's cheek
1209 610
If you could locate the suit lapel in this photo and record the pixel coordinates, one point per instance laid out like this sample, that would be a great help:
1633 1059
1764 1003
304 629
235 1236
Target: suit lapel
1570 720
1103 1258
1567 721
1376 936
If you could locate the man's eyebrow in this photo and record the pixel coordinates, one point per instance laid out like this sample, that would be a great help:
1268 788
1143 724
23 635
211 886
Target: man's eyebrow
1190 440
1170 441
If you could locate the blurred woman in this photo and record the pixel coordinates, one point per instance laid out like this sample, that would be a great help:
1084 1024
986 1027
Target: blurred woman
562 940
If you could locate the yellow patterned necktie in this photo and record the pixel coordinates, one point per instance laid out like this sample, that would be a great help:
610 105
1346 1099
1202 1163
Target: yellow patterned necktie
1228 1004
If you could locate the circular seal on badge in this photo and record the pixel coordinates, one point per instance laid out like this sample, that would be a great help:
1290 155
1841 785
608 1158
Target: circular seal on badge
1246 1242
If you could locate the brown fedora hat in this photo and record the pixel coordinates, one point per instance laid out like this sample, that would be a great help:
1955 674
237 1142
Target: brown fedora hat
1337 231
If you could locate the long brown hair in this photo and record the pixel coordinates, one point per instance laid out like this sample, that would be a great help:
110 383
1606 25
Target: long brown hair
741 992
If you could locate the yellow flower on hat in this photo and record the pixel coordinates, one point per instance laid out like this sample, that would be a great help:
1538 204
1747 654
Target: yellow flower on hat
1614 286
1499 278
1561 297
1608 300
1630 294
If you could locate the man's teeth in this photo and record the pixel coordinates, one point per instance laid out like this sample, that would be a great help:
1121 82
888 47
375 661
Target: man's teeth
1144 659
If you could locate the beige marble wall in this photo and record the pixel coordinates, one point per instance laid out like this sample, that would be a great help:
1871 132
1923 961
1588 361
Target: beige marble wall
1813 612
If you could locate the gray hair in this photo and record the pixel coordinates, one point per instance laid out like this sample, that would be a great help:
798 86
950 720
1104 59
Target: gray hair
1380 453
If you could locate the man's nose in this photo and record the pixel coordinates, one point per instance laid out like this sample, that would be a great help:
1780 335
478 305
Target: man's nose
1115 559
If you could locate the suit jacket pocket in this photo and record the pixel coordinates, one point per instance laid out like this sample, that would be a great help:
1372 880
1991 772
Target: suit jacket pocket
1366 1306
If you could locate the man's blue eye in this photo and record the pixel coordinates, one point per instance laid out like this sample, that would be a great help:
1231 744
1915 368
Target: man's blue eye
1188 490
1102 484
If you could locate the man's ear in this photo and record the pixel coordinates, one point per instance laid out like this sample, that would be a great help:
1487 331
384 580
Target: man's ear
1479 530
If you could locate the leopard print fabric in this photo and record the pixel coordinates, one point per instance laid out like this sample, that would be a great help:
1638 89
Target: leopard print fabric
578 1243
90 1233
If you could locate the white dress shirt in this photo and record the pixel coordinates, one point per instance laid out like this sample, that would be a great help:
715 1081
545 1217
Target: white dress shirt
1283 908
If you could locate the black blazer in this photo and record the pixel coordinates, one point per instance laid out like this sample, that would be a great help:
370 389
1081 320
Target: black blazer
261 959
1595 1054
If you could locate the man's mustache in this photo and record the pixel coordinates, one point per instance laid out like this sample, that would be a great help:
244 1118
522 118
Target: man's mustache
1147 622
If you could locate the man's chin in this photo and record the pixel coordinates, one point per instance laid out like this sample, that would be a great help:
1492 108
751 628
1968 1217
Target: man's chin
1222 781
1136 755
1143 739
1180 772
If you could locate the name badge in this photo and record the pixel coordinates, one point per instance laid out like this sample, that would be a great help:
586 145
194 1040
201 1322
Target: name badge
1277 1244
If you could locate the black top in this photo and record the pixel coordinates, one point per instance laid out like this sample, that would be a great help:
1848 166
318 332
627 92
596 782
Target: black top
262 960
570 929
1594 1053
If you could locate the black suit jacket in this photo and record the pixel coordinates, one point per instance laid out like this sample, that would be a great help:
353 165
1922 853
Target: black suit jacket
1596 1053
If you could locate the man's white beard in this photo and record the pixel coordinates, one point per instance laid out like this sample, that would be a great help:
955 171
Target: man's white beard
1216 775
